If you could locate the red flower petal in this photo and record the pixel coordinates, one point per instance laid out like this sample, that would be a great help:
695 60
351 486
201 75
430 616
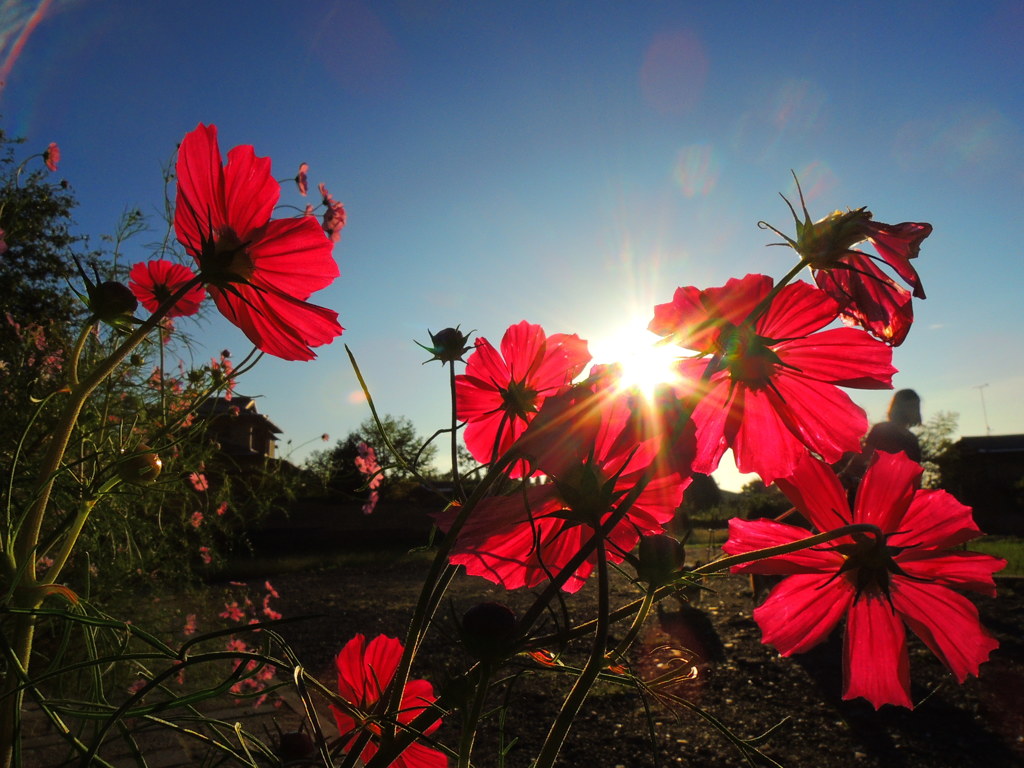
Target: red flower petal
948 624
279 324
261 271
885 493
155 281
869 298
875 661
798 310
842 356
199 206
250 192
936 520
749 535
817 493
897 244
962 570
802 610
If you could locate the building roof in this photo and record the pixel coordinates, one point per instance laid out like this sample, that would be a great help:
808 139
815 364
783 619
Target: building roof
221 406
993 444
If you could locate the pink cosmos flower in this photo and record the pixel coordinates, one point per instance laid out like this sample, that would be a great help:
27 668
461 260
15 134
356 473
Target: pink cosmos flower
222 508
772 392
371 502
879 585
233 612
499 394
334 217
154 282
302 180
198 481
364 672
269 612
204 555
190 624
867 296
366 463
197 519
259 271
51 156
590 442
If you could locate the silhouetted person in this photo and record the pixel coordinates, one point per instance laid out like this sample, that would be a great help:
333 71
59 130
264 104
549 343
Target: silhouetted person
894 435
891 436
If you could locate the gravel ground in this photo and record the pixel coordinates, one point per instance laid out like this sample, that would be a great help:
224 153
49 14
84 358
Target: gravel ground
741 682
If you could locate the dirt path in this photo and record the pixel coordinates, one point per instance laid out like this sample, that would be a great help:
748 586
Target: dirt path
751 689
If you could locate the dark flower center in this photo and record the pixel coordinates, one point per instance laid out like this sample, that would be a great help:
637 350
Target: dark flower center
519 399
587 493
746 356
161 292
225 259
869 563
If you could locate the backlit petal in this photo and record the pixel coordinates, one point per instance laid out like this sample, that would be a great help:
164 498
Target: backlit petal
948 624
875 659
936 520
817 493
749 535
962 570
250 192
802 610
886 492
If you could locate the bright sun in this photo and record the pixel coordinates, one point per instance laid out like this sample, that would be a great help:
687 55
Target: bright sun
645 363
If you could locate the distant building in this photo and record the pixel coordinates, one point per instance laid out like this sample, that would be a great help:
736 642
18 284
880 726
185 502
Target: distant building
987 473
244 434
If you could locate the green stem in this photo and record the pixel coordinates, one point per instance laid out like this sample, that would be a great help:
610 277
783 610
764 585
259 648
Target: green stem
716 566
440 575
27 594
472 716
536 610
581 687
762 306
456 480
76 353
636 626
71 538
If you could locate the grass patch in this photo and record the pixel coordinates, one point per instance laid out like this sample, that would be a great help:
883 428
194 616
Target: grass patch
1010 548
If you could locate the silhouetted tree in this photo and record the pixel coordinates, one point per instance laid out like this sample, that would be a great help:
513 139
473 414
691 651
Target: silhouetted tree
337 466
936 439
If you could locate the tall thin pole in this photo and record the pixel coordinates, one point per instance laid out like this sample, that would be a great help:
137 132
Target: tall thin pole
984 411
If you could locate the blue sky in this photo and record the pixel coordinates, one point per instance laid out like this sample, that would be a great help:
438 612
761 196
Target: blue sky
567 163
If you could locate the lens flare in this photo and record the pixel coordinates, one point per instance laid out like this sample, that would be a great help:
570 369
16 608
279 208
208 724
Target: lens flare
696 170
18 20
674 71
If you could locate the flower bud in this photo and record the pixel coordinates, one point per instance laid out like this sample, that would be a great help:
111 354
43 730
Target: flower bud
448 345
112 302
141 467
295 745
661 559
826 241
487 630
